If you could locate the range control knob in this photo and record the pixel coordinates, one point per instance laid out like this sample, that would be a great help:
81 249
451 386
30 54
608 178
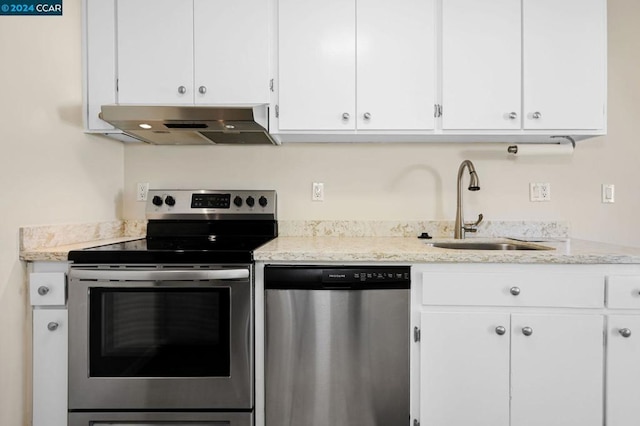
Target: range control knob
170 201
262 201
237 201
251 201
157 200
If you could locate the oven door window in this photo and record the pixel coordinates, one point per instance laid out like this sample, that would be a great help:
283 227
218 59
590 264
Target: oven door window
159 332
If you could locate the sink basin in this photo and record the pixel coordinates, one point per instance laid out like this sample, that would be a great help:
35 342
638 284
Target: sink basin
469 245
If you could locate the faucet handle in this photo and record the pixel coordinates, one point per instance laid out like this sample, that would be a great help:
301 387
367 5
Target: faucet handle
472 226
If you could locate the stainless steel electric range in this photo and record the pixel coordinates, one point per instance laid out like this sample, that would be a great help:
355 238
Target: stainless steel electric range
161 328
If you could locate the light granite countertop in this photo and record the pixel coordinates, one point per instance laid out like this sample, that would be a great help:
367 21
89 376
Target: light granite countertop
414 250
353 241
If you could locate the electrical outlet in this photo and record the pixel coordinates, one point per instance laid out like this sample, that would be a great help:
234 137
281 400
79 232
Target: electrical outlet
608 193
539 191
317 191
142 191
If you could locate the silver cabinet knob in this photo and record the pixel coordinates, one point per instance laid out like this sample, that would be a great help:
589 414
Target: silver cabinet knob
42 290
367 116
202 90
537 115
345 116
514 290
182 90
500 330
513 115
527 331
53 326
625 332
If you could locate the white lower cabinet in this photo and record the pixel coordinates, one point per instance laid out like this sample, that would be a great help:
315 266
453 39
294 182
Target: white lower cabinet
623 370
498 349
472 364
50 334
464 369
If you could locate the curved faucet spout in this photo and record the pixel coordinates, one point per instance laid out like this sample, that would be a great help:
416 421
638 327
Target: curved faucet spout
474 185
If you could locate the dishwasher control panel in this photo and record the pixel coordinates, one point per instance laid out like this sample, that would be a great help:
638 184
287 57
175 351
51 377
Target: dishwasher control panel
336 277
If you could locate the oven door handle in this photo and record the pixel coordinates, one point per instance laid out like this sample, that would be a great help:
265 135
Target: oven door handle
160 275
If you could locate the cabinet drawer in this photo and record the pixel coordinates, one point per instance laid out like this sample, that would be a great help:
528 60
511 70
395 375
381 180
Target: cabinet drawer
47 288
623 291
513 289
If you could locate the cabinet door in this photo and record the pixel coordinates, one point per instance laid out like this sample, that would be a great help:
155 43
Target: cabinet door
564 64
623 371
557 370
464 369
395 64
231 44
481 64
317 64
50 367
155 51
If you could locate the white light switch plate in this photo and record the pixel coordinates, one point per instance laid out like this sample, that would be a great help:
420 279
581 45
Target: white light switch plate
608 193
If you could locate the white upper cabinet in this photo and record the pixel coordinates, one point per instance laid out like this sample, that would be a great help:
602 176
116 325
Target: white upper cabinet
395 64
565 64
192 51
317 64
481 64
155 51
531 65
344 66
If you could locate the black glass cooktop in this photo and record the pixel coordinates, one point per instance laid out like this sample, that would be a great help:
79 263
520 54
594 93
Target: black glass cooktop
180 243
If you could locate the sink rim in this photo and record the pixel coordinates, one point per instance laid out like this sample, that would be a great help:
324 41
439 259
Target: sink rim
488 246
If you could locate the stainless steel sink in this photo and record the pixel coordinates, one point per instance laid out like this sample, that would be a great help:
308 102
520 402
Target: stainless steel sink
470 245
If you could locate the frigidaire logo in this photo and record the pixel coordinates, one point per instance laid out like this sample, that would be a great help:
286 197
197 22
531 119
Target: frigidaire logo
30 7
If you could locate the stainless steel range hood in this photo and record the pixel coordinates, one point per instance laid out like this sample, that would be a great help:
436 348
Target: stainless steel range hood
191 125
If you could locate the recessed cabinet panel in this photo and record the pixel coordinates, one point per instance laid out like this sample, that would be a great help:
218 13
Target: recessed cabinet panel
231 51
155 51
317 64
557 370
464 369
50 339
623 370
565 63
481 64
396 64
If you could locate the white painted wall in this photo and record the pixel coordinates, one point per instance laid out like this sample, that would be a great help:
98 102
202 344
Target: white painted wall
50 172
414 182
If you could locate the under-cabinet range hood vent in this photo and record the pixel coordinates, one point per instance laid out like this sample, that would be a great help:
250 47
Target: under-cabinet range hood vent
191 125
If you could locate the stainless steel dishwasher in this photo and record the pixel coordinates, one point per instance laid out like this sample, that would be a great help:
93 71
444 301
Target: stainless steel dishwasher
337 345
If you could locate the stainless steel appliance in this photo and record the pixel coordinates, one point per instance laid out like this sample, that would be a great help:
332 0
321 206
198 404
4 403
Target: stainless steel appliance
337 345
161 328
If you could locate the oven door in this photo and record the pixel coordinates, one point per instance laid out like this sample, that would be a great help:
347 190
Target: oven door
145 338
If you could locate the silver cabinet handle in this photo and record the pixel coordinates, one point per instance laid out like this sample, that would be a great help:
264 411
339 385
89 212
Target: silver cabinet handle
53 326
625 332
500 330
367 116
527 331
537 115
42 290
513 115
182 90
514 290
345 116
202 89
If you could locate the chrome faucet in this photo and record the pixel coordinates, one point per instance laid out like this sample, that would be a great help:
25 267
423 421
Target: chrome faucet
474 185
